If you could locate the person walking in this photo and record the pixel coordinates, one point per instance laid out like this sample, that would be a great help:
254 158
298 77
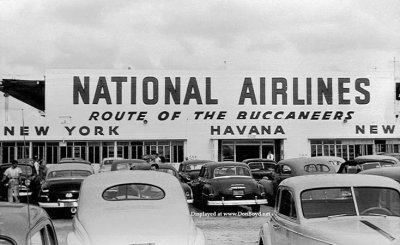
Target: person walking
13 174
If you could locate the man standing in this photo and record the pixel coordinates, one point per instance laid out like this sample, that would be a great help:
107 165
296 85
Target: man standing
13 174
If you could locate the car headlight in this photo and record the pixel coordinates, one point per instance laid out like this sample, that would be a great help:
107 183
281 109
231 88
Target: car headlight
27 182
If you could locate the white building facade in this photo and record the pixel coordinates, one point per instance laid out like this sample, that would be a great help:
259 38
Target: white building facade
216 115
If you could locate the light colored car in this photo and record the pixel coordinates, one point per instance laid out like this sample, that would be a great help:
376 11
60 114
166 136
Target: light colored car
105 165
335 209
335 161
24 224
133 207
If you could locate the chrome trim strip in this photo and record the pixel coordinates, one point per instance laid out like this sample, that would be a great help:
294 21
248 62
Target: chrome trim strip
376 228
237 202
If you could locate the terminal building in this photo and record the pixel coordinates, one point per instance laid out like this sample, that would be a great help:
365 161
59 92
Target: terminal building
215 115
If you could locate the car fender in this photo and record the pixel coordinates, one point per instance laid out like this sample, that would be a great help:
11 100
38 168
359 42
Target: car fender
265 235
268 186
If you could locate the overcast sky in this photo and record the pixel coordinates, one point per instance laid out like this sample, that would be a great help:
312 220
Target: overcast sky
281 35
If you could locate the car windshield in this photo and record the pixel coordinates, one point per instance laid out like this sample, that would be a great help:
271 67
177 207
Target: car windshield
331 202
134 191
123 166
231 171
26 169
68 173
193 167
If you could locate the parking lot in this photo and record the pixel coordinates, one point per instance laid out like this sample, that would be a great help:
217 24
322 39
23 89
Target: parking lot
220 226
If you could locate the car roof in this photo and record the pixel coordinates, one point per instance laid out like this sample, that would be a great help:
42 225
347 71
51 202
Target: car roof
91 200
227 163
70 166
391 172
258 160
14 219
195 161
73 159
297 164
305 182
331 158
377 157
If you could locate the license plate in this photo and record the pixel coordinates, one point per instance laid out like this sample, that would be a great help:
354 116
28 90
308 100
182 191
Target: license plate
238 192
67 204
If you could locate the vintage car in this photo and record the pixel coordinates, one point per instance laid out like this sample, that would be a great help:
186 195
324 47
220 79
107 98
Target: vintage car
106 163
367 162
294 167
28 180
23 224
261 168
60 189
334 209
73 160
137 164
393 172
228 184
189 170
133 207
335 161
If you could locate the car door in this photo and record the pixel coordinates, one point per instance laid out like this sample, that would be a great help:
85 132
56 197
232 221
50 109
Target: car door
284 218
197 184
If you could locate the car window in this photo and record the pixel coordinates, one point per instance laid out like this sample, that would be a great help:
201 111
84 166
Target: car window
316 168
269 166
123 166
231 171
286 169
287 206
377 200
192 167
324 202
4 241
68 173
38 238
134 191
255 165
108 162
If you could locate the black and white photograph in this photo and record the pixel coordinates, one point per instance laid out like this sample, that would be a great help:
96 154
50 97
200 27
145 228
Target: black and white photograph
213 122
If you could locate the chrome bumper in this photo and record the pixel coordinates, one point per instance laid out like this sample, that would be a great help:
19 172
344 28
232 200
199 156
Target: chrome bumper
60 204
237 202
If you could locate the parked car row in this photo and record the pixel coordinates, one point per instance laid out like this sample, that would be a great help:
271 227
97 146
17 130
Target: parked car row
315 200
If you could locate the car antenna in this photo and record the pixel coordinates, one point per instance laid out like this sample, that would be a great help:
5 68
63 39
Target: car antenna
27 193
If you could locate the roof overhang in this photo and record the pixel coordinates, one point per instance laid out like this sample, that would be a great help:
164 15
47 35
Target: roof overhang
30 92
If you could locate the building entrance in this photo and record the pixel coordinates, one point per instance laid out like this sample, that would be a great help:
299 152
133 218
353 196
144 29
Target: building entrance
239 150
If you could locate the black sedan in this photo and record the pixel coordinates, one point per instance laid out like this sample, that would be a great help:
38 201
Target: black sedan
189 170
61 187
228 184
261 168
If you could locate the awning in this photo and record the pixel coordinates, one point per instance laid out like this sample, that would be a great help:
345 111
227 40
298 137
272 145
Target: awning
30 92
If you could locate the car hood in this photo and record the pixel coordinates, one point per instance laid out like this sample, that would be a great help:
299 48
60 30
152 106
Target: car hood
357 230
139 226
227 183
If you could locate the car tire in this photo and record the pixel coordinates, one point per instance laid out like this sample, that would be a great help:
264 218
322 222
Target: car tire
255 208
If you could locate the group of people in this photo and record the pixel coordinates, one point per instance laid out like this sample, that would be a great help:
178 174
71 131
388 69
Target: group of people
12 178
